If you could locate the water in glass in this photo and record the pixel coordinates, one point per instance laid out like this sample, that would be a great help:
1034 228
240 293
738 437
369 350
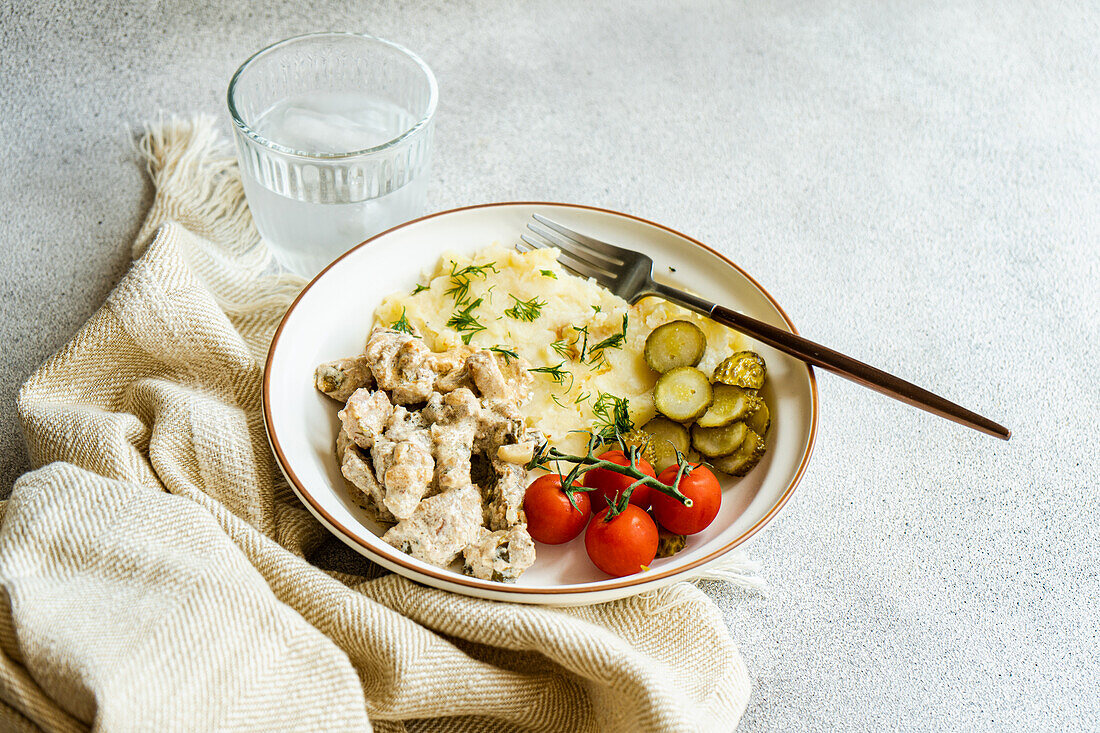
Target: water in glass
304 233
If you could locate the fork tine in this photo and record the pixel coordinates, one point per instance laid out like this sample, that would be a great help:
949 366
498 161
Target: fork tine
605 249
577 251
573 264
579 267
574 251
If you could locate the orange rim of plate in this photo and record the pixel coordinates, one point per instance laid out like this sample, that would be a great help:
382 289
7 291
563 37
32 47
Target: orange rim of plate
400 558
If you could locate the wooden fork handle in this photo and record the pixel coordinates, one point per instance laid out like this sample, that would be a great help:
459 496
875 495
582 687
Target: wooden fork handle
857 371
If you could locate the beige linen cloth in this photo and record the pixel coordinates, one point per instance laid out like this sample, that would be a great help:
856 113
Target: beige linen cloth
154 568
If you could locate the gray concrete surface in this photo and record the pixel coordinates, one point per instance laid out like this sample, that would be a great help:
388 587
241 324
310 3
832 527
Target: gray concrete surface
918 183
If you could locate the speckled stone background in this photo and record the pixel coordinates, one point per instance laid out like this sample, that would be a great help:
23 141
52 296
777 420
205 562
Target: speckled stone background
917 183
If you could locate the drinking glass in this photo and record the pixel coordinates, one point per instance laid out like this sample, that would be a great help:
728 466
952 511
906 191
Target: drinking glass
334 140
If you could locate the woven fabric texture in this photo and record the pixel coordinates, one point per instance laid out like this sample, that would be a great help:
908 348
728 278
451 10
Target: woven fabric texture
154 569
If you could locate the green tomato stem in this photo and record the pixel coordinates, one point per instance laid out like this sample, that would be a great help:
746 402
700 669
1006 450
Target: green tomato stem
631 471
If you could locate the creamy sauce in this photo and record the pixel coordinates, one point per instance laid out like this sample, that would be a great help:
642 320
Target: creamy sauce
412 424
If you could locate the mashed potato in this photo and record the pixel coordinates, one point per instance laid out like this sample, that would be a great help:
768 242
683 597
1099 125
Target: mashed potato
570 330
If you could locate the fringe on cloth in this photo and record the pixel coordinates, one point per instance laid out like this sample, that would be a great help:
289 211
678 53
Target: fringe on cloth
191 159
735 568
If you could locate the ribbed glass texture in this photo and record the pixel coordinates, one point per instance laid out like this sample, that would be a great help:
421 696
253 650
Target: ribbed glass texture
291 176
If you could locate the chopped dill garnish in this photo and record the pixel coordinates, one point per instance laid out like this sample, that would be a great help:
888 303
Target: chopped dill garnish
548 273
402 324
419 288
562 348
597 308
583 396
555 398
614 341
555 373
584 342
460 279
525 310
464 321
507 353
612 416
473 270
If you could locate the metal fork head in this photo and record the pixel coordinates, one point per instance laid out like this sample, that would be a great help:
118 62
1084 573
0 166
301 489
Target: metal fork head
626 273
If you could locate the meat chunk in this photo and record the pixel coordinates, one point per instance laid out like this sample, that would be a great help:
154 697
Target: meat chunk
363 486
501 556
518 378
343 440
417 380
381 354
404 424
403 462
504 500
338 379
452 448
401 365
440 527
459 405
412 467
407 477
495 429
454 424
454 379
485 372
365 416
443 363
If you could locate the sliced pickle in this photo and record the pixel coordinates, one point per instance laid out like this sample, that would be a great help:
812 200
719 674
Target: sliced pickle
640 439
668 544
683 393
715 442
666 438
745 369
675 344
760 420
745 458
730 405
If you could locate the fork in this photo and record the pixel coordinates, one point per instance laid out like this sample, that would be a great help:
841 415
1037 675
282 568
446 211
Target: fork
629 275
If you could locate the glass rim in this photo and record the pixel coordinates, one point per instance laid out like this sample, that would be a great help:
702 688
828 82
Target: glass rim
252 134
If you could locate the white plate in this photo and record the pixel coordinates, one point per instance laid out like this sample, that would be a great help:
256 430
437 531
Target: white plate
332 317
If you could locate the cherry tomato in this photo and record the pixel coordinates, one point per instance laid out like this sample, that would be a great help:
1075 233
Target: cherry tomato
705 493
609 484
550 516
624 545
